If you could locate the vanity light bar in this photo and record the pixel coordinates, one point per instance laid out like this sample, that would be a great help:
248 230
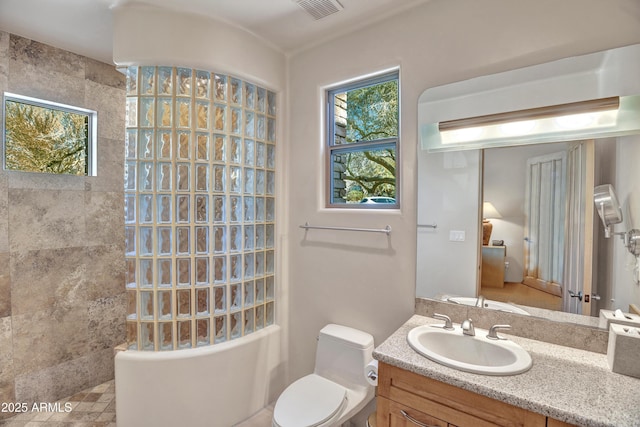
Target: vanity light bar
591 106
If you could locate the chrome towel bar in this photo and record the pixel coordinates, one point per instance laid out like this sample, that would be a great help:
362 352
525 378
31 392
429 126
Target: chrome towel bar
386 230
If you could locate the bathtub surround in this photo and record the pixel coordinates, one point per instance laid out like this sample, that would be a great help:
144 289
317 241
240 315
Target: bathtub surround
62 301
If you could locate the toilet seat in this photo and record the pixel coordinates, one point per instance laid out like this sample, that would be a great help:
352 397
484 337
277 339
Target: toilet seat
309 402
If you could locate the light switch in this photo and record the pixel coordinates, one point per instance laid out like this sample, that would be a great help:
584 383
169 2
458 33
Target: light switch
456 236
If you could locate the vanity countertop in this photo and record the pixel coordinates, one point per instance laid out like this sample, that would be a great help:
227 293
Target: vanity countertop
575 386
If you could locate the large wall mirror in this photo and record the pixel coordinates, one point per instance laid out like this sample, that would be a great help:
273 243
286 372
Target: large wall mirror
516 222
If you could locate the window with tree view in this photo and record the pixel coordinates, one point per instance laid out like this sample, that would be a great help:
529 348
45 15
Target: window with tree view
362 132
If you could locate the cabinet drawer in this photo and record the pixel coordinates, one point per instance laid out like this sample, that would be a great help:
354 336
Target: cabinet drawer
393 414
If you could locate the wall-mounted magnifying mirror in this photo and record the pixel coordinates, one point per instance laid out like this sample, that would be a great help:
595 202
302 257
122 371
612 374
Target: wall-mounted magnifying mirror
604 196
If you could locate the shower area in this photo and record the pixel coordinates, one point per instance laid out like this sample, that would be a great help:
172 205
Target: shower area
200 157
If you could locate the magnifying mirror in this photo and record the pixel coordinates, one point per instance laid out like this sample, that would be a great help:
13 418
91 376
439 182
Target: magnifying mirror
604 196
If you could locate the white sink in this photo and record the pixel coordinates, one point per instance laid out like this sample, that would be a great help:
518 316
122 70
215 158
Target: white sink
490 304
477 354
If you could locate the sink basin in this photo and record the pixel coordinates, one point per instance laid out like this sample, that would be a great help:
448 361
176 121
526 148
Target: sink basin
477 354
490 304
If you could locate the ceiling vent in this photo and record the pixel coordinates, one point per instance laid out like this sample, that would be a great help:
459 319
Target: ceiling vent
319 9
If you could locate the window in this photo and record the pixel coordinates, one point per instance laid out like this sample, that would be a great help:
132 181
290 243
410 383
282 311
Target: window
42 136
362 135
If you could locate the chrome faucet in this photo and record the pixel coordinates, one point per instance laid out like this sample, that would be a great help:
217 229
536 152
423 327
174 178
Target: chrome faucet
467 328
480 301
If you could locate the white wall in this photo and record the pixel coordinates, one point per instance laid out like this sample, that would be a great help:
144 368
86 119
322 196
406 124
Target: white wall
369 281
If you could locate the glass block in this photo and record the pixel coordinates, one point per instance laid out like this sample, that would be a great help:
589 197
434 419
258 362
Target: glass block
164 273
146 273
236 121
249 265
183 269
260 154
219 269
271 156
202 208
184 85
129 209
165 116
249 234
235 150
219 239
235 179
260 213
236 91
130 176
164 241
271 130
182 208
219 148
259 291
259 236
269 262
219 299
202 115
220 329
146 305
219 211
165 80
165 311
132 335
164 208
132 80
261 95
145 144
132 301
248 293
183 297
269 318
249 152
184 145
219 117
219 179
259 186
249 174
130 143
146 241
249 96
261 127
249 124
131 111
271 103
147 80
269 288
164 176
202 146
271 183
163 150
183 114
249 315
236 325
146 208
236 209
202 177
147 336
184 334
220 87
202 240
235 267
259 317
202 84
145 182
202 271
147 112
248 209
202 328
130 273
270 208
202 302
235 238
259 270
165 341
183 245
183 175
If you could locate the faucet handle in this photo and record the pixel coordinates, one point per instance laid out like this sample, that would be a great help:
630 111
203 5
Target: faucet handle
493 332
447 321
467 328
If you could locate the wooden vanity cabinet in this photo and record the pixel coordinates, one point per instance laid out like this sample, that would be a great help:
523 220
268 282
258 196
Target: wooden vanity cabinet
406 399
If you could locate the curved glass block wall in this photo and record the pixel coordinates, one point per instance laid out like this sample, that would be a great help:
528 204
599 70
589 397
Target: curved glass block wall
199 207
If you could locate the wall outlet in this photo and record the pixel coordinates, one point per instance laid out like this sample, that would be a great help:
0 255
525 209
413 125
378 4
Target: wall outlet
456 236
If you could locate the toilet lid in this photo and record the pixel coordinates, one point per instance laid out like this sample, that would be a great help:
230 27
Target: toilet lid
309 402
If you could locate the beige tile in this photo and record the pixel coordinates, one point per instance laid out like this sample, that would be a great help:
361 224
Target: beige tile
4 203
107 322
110 174
107 417
5 285
105 74
6 360
104 218
4 54
110 103
46 58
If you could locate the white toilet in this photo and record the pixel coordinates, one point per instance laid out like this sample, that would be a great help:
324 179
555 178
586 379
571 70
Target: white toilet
337 389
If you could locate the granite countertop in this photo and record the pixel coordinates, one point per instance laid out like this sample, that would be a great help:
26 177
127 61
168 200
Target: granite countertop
575 386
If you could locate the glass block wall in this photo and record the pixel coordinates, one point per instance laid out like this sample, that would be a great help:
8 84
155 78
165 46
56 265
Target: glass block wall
199 207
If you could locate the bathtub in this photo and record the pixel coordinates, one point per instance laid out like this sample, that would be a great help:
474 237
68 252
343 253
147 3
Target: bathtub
218 385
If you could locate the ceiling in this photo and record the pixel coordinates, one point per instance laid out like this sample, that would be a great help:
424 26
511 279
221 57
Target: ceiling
85 26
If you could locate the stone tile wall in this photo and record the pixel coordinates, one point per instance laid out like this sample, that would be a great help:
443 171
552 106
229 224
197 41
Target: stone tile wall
62 295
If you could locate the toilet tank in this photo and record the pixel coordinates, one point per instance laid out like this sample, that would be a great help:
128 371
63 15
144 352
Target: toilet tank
342 354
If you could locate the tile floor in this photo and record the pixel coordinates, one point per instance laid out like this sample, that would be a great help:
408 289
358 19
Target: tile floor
96 407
